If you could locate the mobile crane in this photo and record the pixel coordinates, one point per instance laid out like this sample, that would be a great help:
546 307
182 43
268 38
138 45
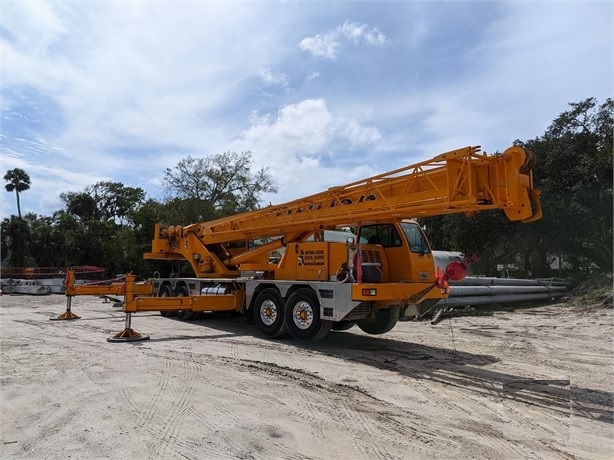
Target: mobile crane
275 266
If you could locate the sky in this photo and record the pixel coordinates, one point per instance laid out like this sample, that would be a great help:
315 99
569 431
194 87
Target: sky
322 93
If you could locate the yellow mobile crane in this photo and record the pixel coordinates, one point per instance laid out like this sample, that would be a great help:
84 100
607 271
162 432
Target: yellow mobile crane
296 282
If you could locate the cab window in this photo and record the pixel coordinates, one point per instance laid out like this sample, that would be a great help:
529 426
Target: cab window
415 237
384 234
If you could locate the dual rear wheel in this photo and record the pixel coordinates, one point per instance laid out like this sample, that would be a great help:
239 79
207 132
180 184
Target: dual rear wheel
303 317
268 311
299 316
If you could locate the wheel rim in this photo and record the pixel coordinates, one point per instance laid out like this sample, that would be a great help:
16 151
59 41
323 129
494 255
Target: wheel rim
302 314
268 312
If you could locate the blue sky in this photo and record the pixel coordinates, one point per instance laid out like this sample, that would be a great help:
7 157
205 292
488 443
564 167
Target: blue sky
323 93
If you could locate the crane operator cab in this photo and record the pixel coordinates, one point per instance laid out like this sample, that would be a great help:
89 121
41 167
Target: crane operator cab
407 254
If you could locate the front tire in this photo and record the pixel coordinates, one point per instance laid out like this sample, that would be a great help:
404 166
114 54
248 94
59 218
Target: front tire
385 320
268 313
343 325
303 317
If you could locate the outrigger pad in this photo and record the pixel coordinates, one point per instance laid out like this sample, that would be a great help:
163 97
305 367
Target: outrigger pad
65 316
128 335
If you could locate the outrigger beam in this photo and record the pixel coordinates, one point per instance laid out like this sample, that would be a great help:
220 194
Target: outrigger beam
114 287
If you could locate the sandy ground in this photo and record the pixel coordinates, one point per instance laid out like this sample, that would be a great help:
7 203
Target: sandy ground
526 384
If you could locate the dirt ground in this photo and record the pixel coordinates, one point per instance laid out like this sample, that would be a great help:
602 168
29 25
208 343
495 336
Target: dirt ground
533 383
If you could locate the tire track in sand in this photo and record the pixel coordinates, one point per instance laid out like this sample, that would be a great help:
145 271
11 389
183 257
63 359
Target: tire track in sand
149 413
166 428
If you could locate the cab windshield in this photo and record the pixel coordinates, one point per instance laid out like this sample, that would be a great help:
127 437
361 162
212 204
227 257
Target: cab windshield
388 236
384 234
417 240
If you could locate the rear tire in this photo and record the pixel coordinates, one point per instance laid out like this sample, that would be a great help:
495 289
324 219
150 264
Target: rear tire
166 292
343 325
385 320
184 315
303 317
268 313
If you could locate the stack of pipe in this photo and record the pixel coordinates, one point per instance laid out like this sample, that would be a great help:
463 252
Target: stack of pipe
474 290
478 290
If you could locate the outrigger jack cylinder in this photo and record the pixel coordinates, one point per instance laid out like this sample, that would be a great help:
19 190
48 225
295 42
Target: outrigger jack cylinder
67 314
128 334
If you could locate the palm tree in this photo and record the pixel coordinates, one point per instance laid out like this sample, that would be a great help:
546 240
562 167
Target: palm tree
19 181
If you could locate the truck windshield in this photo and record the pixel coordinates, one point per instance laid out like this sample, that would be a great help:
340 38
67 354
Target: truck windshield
384 234
415 237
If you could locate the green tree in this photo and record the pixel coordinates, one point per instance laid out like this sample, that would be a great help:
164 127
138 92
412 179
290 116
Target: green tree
103 215
215 186
15 241
80 204
483 234
104 201
574 174
115 200
69 228
18 181
91 245
46 242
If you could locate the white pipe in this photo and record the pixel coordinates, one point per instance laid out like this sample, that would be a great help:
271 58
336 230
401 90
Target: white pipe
493 300
460 291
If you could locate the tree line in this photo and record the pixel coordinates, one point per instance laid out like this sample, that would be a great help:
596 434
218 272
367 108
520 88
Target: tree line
574 175
109 224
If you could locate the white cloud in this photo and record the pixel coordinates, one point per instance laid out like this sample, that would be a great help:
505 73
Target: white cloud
522 81
300 128
354 133
140 69
357 34
515 85
271 77
34 27
47 182
312 76
130 80
329 44
297 145
306 127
